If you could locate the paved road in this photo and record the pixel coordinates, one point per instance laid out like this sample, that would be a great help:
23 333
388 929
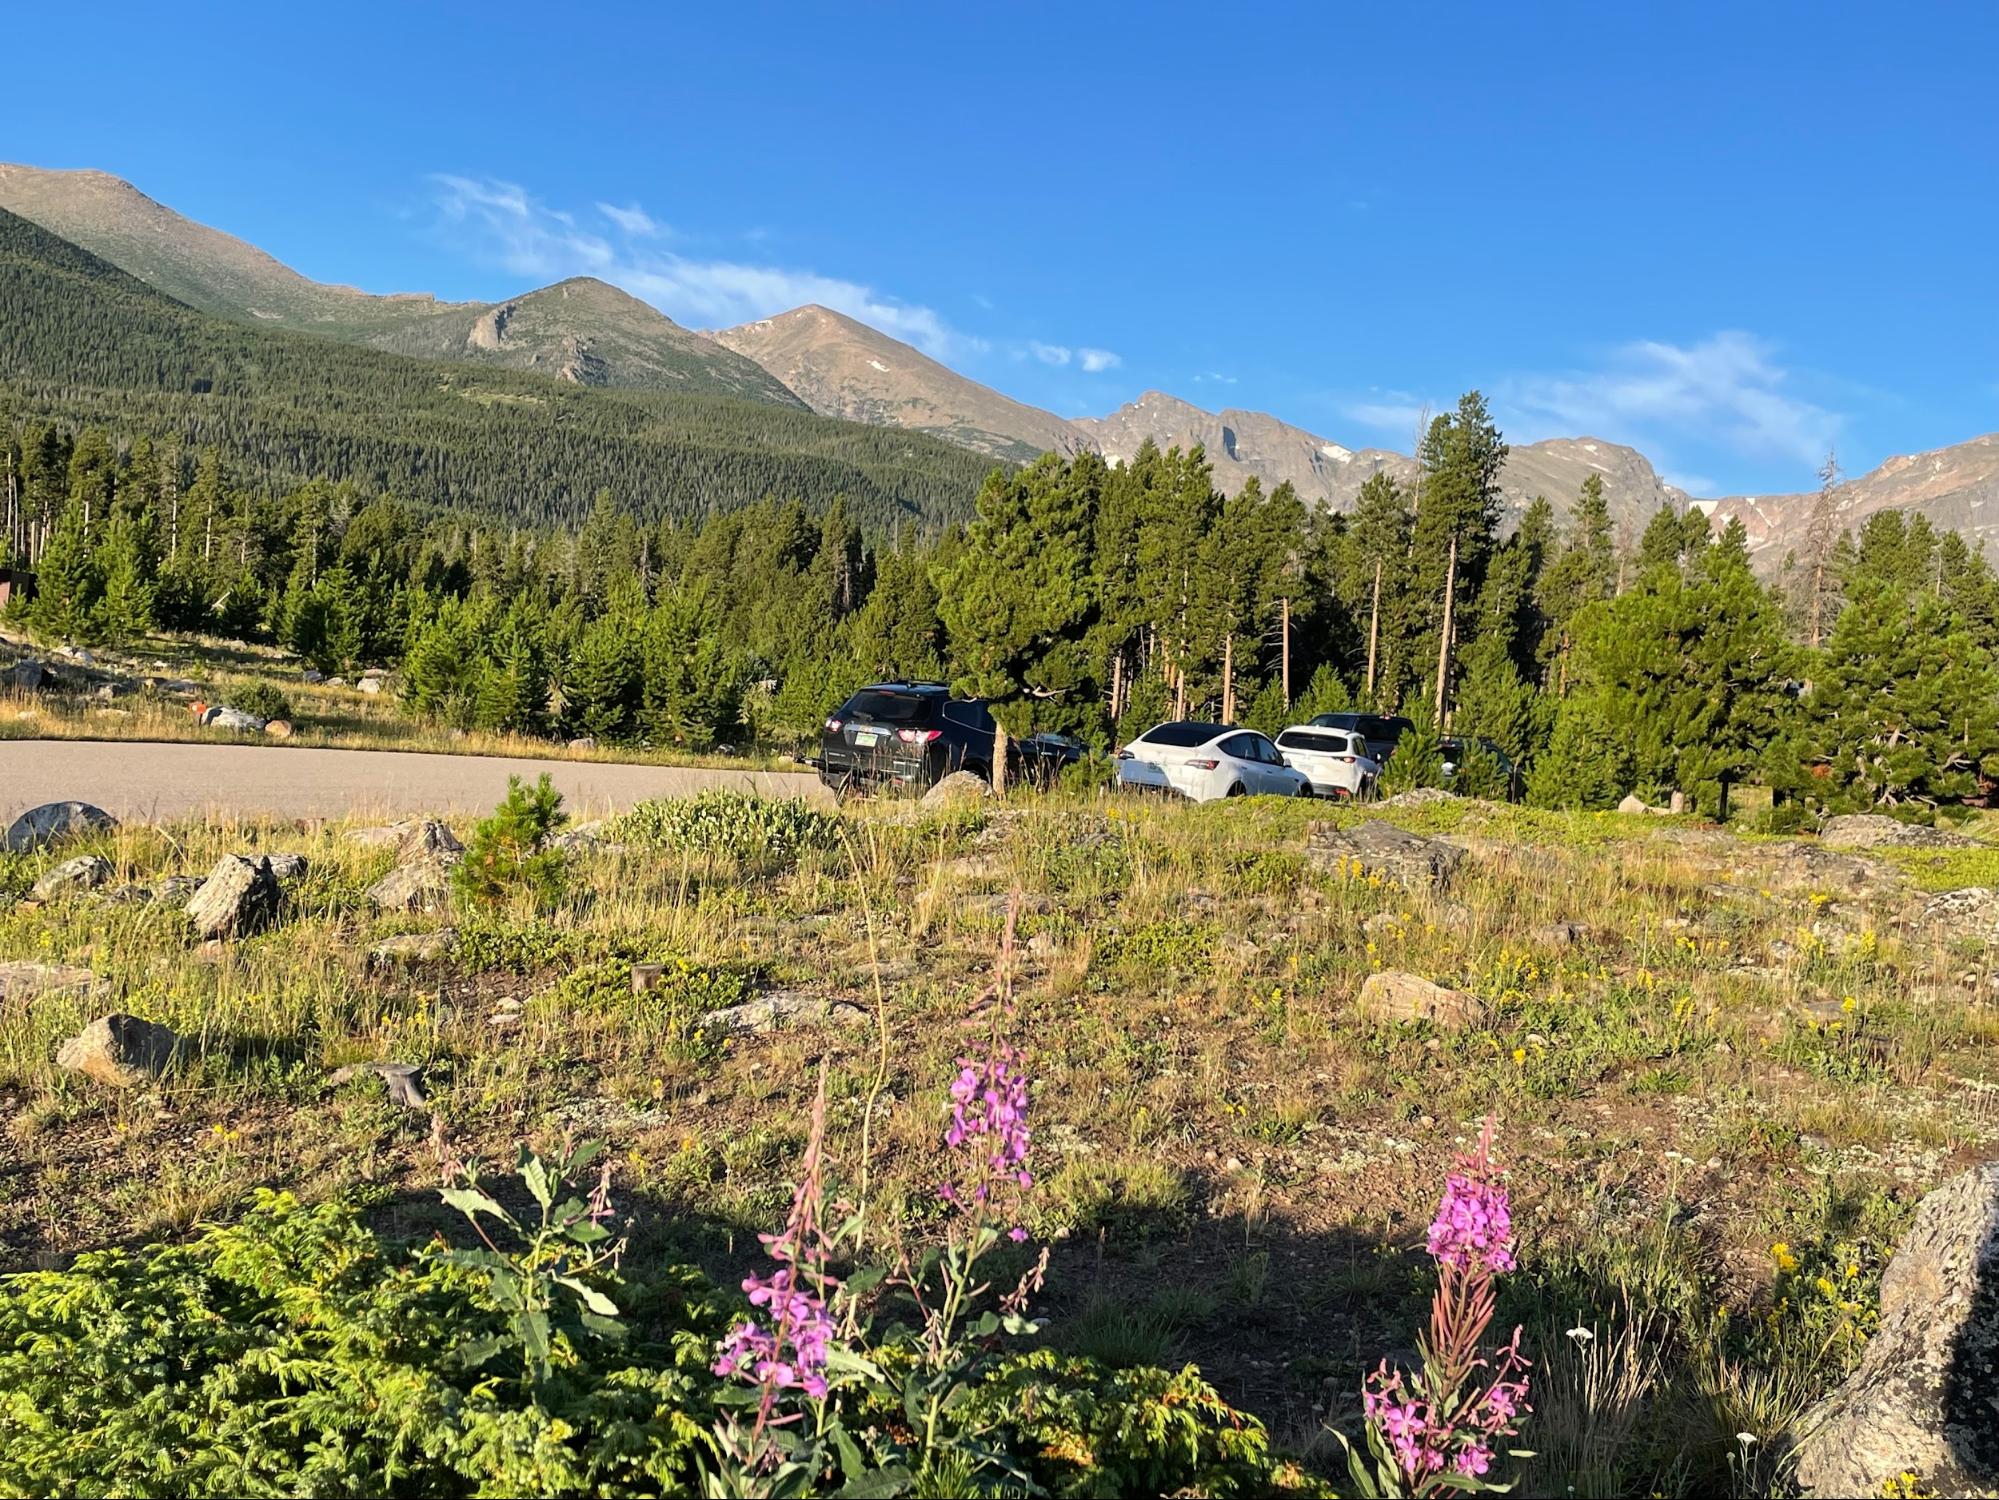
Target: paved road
144 782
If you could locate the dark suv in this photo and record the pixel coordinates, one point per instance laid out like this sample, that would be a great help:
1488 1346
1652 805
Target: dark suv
912 734
1381 731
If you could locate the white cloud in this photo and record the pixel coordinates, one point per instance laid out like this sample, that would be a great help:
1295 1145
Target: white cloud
1214 377
501 222
1049 354
1394 413
633 219
1095 361
1726 390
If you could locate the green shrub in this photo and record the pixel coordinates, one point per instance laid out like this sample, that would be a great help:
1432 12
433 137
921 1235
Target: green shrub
767 833
511 852
263 700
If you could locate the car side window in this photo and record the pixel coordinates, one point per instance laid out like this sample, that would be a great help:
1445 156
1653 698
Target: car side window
1240 746
1265 751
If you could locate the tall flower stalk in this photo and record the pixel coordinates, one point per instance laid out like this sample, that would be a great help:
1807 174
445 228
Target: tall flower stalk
1438 1430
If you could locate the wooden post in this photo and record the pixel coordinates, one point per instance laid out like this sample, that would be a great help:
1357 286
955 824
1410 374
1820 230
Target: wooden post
1287 650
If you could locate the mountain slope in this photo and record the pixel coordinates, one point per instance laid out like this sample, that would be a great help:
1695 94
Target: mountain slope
843 368
81 341
581 330
1955 488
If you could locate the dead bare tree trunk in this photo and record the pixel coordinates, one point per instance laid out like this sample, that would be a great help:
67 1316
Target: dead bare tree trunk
1286 649
1374 629
1450 618
999 756
1228 678
1818 545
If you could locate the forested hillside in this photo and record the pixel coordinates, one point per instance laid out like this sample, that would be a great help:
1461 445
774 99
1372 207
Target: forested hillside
83 343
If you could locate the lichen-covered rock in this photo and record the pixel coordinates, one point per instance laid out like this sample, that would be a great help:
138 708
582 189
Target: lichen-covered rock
1874 831
1390 997
404 1081
420 885
1924 1398
959 786
52 822
285 867
239 896
1378 848
783 1008
1971 913
73 876
24 979
120 1051
411 948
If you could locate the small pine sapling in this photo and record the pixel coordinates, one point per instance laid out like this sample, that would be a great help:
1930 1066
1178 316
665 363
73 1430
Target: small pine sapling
513 850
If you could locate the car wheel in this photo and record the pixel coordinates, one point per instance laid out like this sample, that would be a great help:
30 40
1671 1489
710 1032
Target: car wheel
1235 789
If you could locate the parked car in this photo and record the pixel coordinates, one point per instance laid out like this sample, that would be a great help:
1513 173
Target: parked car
1206 761
1381 731
1336 761
1455 748
913 734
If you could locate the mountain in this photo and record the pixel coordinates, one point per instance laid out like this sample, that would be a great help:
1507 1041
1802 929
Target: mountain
843 368
83 342
1557 467
1955 488
583 330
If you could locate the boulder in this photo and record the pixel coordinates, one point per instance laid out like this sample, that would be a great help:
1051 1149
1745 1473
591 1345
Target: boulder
427 838
404 1080
174 890
422 884
1390 997
1873 831
1820 869
234 719
23 979
1971 914
52 822
959 786
369 685
76 654
785 1008
583 742
1418 796
1560 934
23 676
239 896
1633 803
72 877
1924 1398
279 729
285 867
1378 848
120 1051
411 948
312 675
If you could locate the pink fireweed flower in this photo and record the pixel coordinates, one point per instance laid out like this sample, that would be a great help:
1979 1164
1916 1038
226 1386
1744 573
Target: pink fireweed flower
1474 1223
791 1354
988 1128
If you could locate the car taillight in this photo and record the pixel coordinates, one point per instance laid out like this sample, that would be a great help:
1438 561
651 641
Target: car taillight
1204 765
1126 755
918 736
1346 760
833 726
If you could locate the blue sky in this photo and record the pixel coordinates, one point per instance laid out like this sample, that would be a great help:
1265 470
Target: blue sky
1731 235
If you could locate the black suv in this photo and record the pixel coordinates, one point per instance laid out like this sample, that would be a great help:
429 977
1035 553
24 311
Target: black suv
913 734
1381 731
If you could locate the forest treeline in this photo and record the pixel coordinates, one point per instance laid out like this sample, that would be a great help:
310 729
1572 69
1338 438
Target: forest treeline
82 343
1091 599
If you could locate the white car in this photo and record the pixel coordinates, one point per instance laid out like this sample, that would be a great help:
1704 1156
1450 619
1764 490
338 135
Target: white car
1337 761
1206 761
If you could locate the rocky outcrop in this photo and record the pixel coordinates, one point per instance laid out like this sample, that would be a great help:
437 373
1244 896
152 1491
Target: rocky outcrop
239 896
73 877
1873 831
120 1051
24 979
1970 914
1378 848
51 823
411 948
423 884
786 1008
1924 1398
1391 997
959 786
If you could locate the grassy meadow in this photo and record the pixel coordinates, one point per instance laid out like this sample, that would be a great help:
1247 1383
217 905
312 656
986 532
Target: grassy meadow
1719 1090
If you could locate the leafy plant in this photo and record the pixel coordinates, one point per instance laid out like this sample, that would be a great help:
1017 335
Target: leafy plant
263 699
767 833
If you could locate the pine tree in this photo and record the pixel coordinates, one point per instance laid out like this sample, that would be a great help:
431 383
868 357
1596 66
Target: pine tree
129 561
512 853
67 583
1584 766
512 693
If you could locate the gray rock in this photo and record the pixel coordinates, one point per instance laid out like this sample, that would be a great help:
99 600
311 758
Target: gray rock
1419 796
786 1008
583 742
584 838
1925 1396
1971 914
1393 997
1633 803
427 838
23 676
404 1080
130 894
1560 934
1378 848
1873 831
23 979
279 729
411 948
312 675
285 867
52 822
73 876
120 1051
233 718
174 890
421 885
76 654
959 786
370 685
239 896
1821 869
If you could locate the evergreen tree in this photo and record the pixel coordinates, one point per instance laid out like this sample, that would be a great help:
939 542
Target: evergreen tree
1584 766
68 583
129 561
512 694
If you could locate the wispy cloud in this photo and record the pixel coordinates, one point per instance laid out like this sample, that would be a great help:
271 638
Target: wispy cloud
632 219
1096 361
1214 377
1049 354
503 223
1394 414
1727 391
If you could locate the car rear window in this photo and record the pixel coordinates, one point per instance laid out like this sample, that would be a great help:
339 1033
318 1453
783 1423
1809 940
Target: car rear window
1301 739
1182 735
889 708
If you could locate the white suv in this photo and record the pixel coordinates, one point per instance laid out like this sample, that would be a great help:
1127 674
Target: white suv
1337 761
1206 761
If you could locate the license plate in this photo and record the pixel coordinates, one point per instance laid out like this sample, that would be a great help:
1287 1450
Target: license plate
865 738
